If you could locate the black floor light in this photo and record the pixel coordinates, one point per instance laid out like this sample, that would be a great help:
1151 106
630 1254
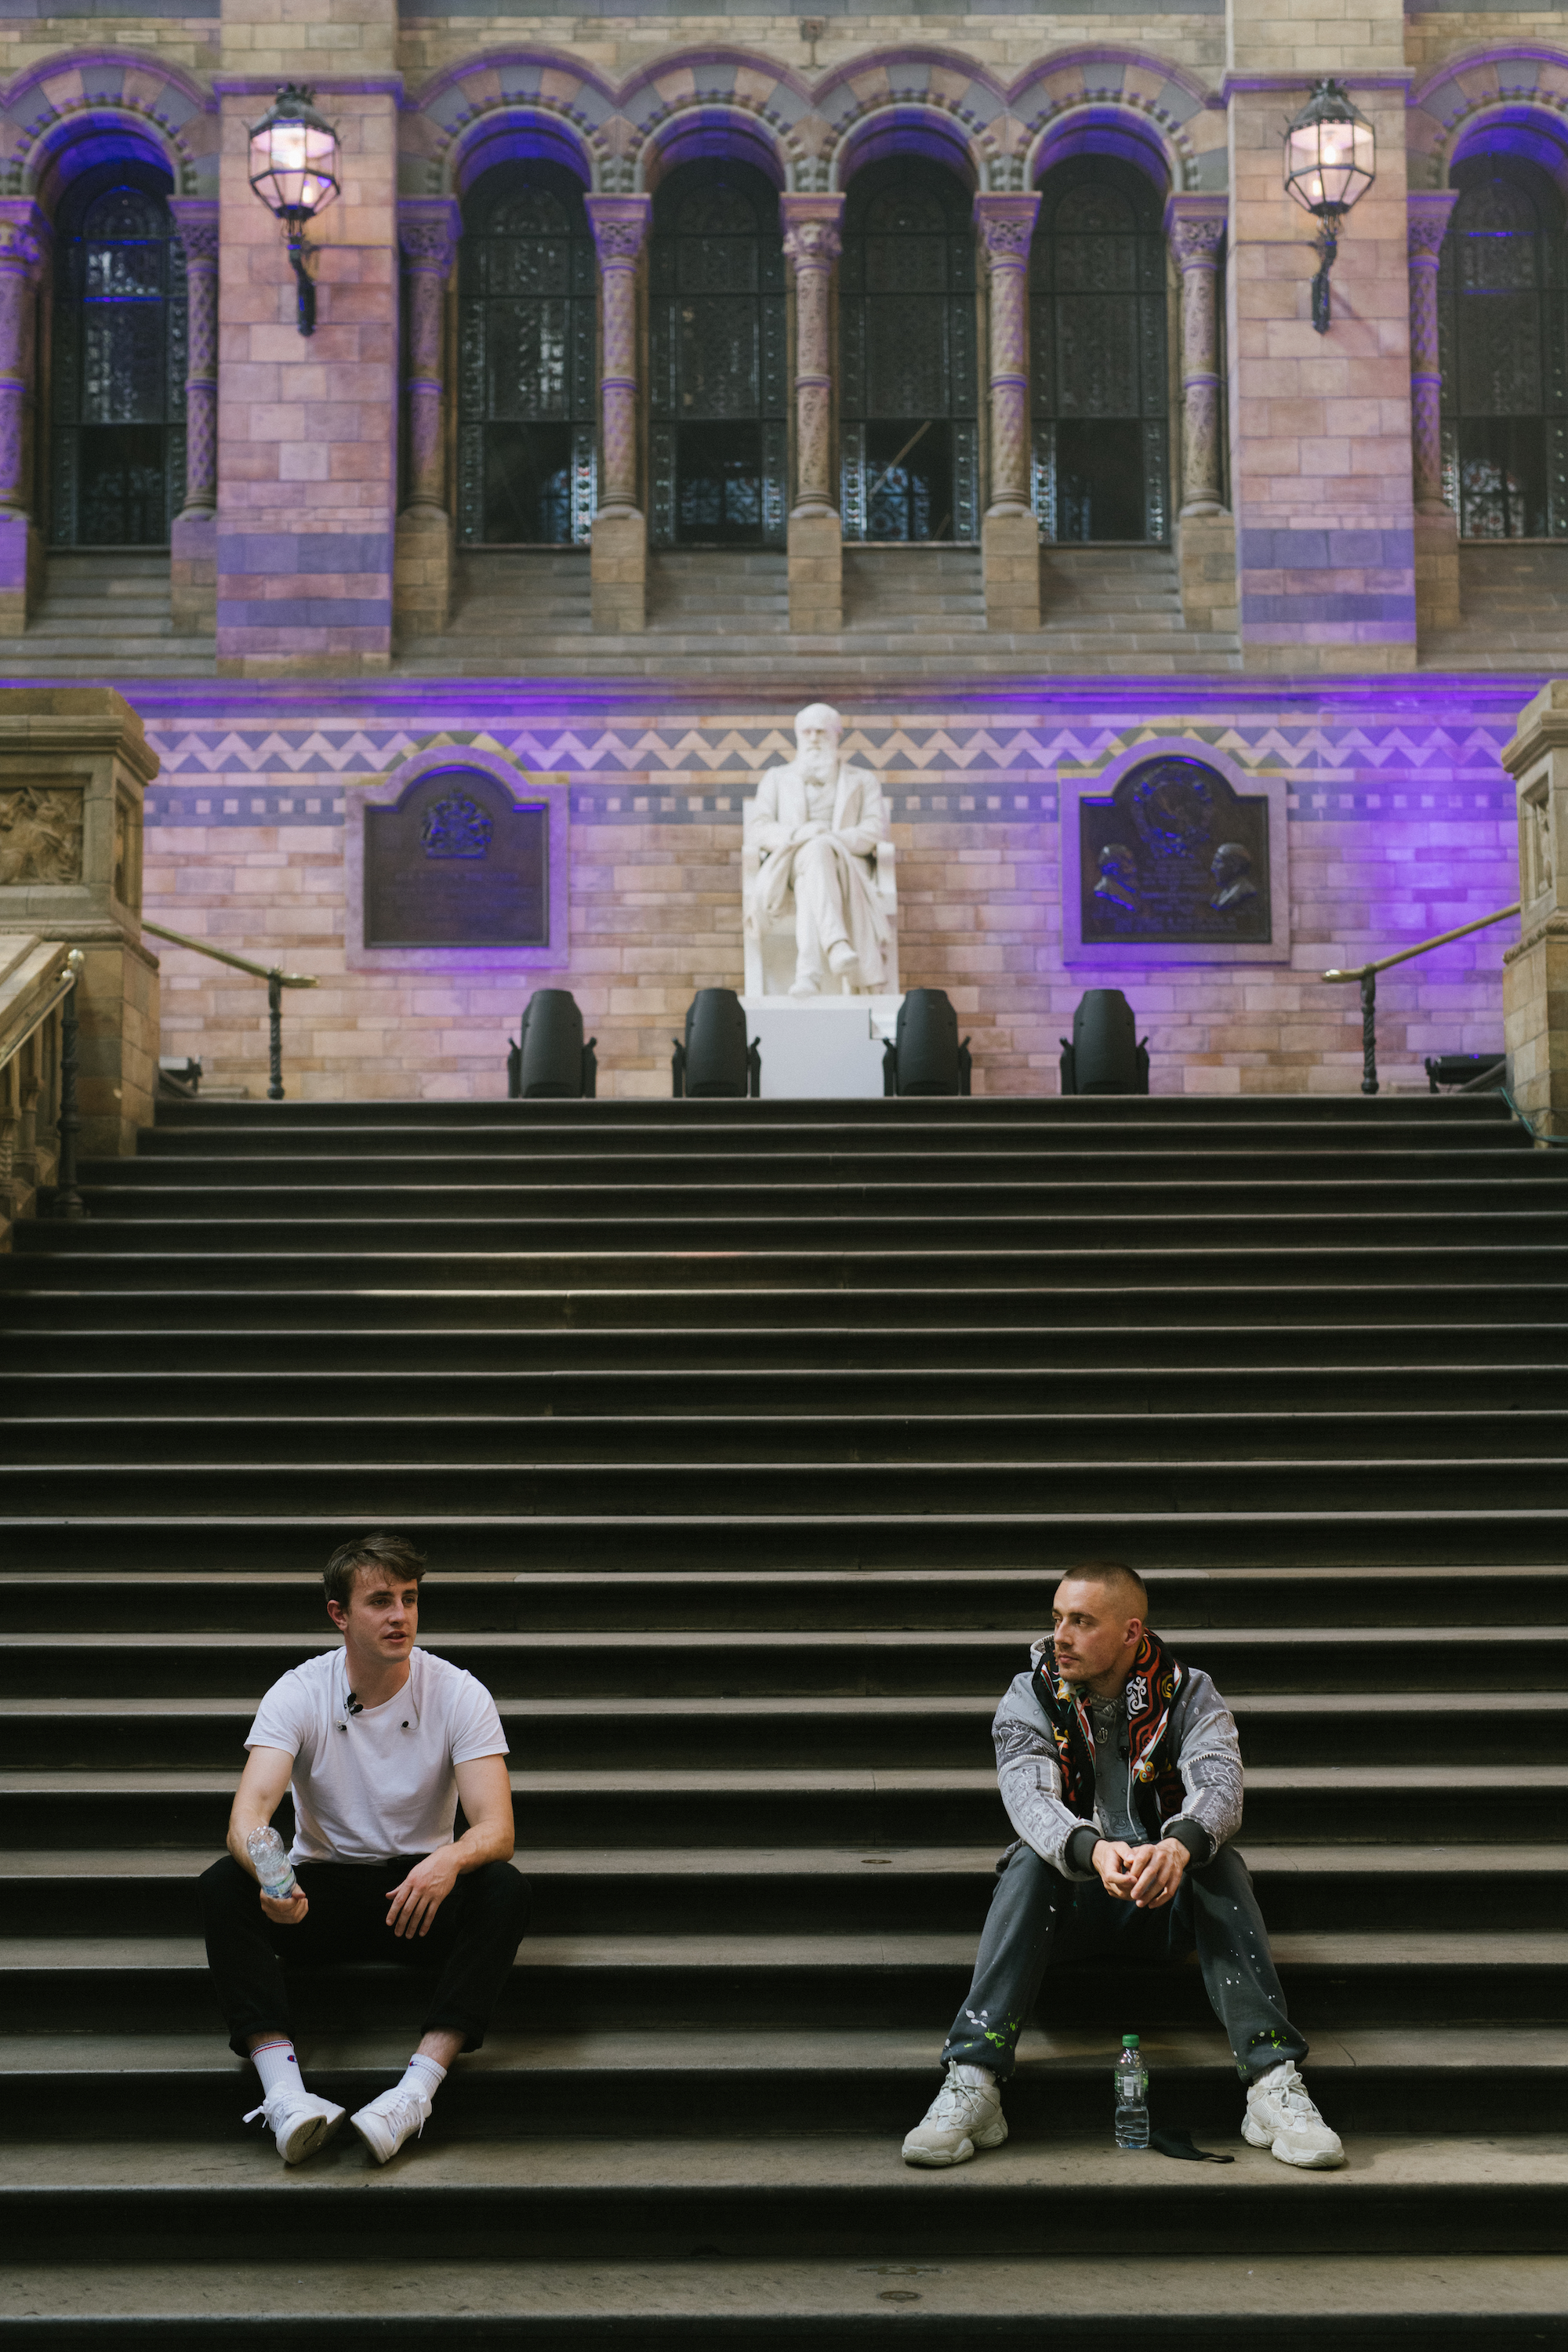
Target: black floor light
926 1057
1105 1056
552 1062
713 1059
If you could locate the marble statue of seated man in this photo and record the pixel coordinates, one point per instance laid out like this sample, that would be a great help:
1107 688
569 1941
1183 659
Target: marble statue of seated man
818 821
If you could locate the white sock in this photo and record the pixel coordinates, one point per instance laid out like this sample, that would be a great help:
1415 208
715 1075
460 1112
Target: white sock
423 2078
278 2068
978 2078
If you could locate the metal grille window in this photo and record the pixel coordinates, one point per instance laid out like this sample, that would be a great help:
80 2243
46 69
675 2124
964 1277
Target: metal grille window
527 379
1502 323
910 439
1098 370
118 410
718 443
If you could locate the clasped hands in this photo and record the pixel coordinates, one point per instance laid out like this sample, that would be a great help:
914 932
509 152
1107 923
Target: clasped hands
414 1903
1147 1875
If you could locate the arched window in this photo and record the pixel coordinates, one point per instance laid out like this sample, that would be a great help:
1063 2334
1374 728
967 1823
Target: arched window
117 425
907 330
719 441
527 387
1501 329
1098 367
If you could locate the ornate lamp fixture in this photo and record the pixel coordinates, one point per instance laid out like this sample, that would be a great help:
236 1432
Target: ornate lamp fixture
1331 162
294 171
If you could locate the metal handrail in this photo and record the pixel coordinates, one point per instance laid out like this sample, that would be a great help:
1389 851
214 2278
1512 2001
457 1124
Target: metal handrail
1367 975
277 981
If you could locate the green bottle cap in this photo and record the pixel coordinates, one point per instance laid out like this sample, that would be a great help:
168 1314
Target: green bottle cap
1130 2042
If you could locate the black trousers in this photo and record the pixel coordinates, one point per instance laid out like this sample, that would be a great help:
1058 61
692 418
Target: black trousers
471 1944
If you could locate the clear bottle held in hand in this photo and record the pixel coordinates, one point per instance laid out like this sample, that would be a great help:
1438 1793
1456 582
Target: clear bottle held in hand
272 1864
1131 2078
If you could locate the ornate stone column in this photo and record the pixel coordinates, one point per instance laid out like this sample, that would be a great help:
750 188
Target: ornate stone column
1436 525
192 569
619 557
1206 533
1009 532
428 228
812 240
24 246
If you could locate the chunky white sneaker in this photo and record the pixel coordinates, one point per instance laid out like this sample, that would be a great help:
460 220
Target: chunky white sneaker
298 2120
388 2121
966 2114
1282 2118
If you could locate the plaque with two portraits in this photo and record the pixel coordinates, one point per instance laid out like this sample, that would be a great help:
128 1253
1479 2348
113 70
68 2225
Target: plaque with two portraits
1172 856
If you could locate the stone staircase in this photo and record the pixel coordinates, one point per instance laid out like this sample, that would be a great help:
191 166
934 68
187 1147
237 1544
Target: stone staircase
918 612
1514 600
105 615
747 1441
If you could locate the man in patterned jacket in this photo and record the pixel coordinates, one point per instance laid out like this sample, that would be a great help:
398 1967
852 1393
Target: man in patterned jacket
1121 1770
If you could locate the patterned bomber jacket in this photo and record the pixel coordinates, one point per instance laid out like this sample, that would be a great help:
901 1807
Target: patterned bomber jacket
1207 1754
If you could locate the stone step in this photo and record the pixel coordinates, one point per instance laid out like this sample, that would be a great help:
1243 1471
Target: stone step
189 1341
913 1980
707 1889
795 1599
718 2077
736 1664
835 2194
820 1734
1297 2303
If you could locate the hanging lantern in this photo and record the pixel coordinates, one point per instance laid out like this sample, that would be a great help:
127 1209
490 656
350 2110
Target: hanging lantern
294 159
1331 162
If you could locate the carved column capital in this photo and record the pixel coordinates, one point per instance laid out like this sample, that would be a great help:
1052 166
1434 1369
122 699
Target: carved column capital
1195 230
196 218
813 230
620 226
428 228
1427 215
26 236
1006 227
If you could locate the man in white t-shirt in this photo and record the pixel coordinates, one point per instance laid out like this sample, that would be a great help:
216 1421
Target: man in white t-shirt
376 1743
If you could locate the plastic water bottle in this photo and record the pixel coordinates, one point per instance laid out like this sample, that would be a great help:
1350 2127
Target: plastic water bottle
273 1867
1132 2096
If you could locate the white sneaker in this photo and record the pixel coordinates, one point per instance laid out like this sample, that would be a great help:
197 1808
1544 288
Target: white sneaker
298 2120
388 2121
1282 2118
966 2114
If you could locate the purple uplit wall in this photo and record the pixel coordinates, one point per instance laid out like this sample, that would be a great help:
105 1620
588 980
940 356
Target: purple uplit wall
1400 822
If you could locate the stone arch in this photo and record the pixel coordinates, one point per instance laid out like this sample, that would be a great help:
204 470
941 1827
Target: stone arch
1153 114
68 112
1515 100
923 101
518 102
713 101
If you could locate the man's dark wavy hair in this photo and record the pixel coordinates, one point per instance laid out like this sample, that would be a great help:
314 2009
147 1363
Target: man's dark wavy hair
395 1554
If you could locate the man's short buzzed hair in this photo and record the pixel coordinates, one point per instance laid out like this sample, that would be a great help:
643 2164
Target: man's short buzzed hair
1124 1584
393 1554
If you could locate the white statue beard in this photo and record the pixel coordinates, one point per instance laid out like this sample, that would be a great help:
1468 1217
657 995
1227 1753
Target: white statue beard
819 767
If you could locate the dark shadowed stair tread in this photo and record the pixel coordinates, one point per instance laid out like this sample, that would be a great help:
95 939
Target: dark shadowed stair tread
1459 1861
679 2050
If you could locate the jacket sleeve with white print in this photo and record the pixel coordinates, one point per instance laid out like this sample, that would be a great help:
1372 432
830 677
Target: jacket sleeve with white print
1208 1757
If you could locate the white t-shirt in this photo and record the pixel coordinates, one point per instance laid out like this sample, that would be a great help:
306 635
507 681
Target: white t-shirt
382 1782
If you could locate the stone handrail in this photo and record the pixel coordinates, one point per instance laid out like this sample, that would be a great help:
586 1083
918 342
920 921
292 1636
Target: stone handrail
36 979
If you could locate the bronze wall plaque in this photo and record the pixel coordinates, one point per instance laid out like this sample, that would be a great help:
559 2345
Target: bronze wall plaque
1172 856
455 864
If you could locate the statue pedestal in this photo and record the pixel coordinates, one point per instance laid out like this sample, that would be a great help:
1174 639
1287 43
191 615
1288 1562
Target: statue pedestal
821 1048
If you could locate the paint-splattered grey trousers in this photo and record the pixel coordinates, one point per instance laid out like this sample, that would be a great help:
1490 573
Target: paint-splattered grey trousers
1039 1920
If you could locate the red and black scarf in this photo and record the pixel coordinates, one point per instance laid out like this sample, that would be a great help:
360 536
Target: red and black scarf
1159 1792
